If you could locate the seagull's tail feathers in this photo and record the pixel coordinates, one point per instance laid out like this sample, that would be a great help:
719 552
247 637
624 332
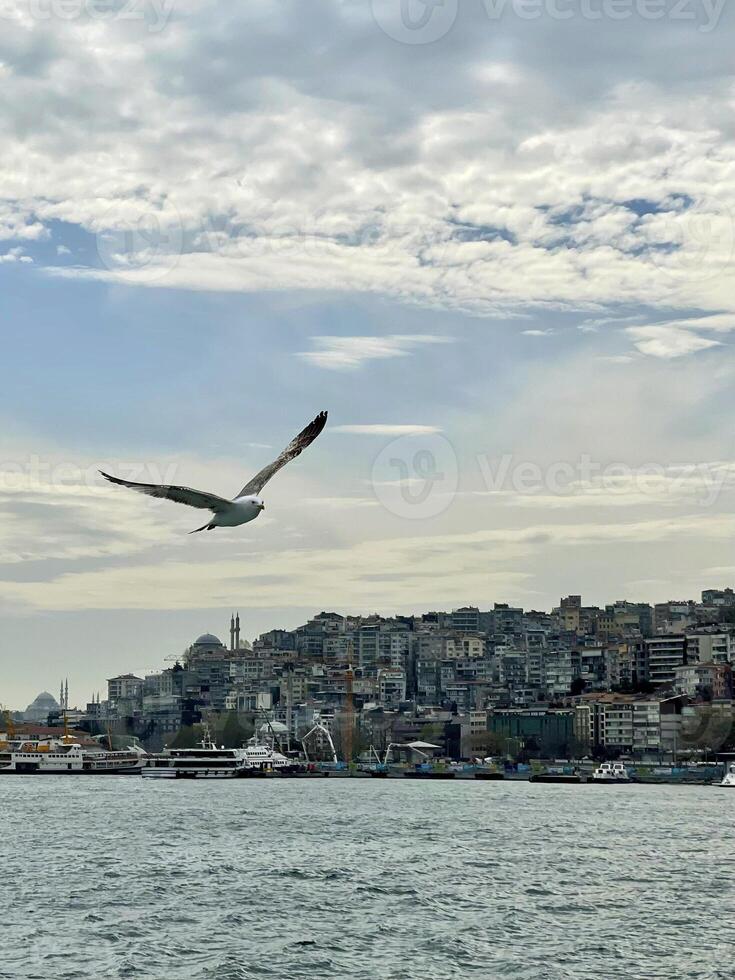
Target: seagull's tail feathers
206 527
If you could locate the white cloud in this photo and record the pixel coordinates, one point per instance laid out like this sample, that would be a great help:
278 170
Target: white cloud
385 573
668 342
74 523
387 429
348 353
538 333
590 183
15 255
339 503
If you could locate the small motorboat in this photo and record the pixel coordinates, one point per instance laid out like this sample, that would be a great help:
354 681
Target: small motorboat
729 777
611 772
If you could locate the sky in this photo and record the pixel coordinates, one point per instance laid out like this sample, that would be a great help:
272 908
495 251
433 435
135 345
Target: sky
494 240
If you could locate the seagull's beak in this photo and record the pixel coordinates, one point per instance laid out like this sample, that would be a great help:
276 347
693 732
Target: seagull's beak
262 506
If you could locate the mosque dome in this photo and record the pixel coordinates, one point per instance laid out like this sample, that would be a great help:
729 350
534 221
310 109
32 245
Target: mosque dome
277 727
208 640
41 707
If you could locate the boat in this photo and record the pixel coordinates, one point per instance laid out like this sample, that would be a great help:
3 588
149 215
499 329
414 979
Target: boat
198 763
610 772
206 761
66 756
555 776
729 777
264 759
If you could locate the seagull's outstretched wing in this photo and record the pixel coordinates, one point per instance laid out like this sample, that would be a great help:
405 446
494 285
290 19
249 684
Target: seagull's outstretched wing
181 495
292 450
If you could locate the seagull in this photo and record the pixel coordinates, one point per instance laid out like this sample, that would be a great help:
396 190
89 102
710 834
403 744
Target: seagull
247 505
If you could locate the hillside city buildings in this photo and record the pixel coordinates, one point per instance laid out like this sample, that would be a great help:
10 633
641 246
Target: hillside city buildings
628 678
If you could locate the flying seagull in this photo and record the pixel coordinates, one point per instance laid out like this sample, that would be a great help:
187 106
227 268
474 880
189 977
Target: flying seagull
247 505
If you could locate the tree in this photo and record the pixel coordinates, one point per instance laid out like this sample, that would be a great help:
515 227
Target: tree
578 686
187 737
232 734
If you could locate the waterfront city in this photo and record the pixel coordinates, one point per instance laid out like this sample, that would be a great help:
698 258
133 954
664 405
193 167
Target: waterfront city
651 684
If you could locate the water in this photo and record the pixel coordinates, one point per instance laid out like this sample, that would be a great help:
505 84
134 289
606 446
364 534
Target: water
353 879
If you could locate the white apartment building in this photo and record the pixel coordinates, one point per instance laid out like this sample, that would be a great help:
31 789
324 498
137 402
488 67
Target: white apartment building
708 648
664 654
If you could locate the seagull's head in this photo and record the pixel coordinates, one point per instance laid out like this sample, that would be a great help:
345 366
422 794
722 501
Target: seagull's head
259 503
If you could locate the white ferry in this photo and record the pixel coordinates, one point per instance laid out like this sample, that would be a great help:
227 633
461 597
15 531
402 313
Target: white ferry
264 758
207 761
67 757
614 772
729 778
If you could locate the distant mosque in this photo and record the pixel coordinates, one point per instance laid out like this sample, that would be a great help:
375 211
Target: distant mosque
209 646
38 710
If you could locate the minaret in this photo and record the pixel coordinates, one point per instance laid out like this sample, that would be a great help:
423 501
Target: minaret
61 696
237 632
232 632
66 695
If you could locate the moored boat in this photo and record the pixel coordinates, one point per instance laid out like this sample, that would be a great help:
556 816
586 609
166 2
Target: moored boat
68 757
555 776
206 761
610 773
209 761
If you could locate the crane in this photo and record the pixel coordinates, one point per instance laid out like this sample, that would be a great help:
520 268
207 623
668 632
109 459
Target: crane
350 711
320 727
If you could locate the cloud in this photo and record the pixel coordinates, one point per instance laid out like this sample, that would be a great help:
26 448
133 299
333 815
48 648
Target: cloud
349 353
387 429
620 485
339 503
668 342
74 523
440 569
15 255
612 179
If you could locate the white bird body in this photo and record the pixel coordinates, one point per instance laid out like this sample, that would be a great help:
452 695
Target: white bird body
246 506
242 510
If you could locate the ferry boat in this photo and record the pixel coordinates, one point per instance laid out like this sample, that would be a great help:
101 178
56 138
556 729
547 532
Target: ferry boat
67 757
729 778
608 772
201 763
262 758
207 761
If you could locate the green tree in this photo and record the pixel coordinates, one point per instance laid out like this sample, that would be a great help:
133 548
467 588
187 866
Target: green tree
232 734
187 737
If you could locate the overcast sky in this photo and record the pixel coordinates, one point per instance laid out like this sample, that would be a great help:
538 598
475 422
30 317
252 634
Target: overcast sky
494 240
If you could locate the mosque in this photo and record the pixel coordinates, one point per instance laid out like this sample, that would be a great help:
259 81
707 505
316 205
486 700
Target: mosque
210 647
38 710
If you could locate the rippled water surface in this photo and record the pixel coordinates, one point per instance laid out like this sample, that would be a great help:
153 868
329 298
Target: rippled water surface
120 877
